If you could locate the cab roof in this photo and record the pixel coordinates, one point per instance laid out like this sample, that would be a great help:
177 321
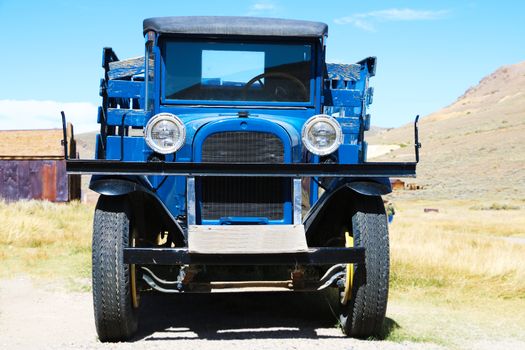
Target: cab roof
237 26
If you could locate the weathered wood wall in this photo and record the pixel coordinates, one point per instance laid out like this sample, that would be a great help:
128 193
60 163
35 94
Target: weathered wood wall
37 179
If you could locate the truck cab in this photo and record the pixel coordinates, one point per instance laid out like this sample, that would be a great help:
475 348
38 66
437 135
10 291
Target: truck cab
233 153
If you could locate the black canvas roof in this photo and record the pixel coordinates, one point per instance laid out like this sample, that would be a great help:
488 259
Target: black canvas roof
249 26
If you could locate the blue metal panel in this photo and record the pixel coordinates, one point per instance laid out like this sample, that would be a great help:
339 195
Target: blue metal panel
319 56
344 98
314 187
134 148
132 117
98 141
159 62
349 125
290 120
348 154
366 122
125 89
100 114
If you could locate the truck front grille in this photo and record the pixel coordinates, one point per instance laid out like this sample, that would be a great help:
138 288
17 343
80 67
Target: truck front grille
242 196
243 147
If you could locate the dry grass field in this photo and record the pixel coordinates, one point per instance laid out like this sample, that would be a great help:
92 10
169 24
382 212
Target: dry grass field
46 240
458 275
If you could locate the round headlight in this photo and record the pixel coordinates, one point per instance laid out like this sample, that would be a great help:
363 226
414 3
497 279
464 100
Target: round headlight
322 134
165 133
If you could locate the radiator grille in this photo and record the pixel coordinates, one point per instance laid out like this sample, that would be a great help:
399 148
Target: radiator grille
242 196
243 147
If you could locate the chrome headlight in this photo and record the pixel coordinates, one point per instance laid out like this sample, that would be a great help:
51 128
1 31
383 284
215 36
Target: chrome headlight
322 134
165 133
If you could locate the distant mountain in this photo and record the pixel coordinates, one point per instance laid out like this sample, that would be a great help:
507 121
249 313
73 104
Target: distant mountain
476 146
375 130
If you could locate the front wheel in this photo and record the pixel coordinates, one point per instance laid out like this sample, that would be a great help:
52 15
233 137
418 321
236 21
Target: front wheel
115 297
363 301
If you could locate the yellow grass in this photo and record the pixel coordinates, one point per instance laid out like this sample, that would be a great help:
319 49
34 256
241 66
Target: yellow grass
456 279
459 248
45 239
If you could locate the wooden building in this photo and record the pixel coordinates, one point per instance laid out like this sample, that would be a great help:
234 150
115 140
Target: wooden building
397 184
32 166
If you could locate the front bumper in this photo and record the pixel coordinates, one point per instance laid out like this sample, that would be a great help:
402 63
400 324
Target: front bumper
115 167
181 256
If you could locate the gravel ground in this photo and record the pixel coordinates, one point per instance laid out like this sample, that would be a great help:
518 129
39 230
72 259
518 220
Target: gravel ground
36 317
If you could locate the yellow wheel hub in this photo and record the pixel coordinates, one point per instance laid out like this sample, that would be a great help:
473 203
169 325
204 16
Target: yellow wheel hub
347 293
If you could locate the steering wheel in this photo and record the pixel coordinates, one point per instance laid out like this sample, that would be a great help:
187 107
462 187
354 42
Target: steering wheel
279 89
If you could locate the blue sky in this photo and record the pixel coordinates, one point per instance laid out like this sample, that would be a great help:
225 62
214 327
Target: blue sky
429 52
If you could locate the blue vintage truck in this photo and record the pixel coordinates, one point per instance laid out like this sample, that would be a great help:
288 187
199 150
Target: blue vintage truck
232 157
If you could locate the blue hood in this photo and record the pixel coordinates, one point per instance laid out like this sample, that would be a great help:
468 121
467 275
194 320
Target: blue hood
199 126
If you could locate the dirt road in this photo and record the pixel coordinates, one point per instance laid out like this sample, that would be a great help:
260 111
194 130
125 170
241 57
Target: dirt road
36 317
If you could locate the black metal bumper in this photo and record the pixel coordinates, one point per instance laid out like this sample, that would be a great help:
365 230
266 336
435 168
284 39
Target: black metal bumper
115 167
181 256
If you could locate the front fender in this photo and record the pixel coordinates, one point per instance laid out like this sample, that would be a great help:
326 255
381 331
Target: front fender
339 194
118 186
369 187
123 185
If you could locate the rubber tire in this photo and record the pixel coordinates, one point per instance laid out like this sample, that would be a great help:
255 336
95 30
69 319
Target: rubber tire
364 314
115 317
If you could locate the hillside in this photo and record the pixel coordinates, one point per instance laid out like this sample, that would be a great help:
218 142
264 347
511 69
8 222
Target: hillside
476 146
86 144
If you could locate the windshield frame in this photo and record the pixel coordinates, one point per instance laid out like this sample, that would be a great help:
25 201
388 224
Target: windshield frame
230 103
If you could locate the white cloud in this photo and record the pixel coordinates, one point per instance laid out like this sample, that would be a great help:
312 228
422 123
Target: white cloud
407 14
263 7
366 21
32 114
357 22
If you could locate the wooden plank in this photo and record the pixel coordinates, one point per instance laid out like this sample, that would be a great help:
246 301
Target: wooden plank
134 117
35 181
126 68
247 239
2 182
125 89
49 181
342 71
62 190
9 186
344 98
24 191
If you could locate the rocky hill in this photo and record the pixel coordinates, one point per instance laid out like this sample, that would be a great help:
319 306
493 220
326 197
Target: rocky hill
474 148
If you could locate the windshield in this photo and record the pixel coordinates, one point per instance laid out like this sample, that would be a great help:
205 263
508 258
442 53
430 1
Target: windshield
226 71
